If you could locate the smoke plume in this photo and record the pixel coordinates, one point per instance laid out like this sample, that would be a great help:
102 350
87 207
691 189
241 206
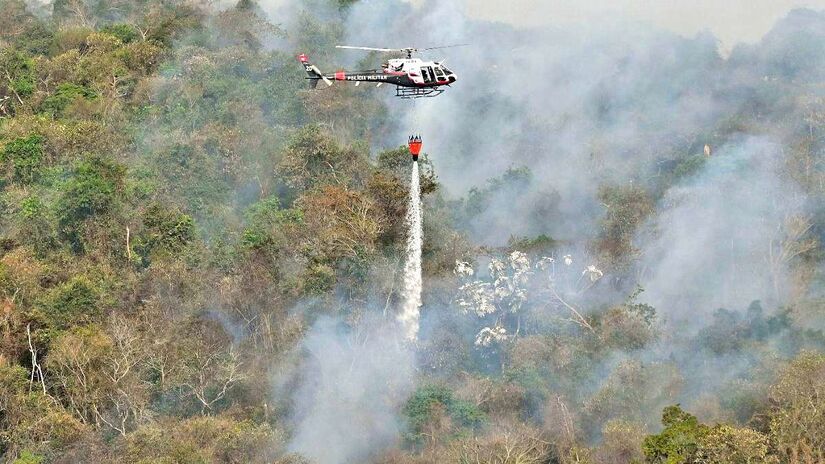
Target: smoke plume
350 384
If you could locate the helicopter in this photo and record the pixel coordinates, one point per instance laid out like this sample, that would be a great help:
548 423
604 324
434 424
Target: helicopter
412 77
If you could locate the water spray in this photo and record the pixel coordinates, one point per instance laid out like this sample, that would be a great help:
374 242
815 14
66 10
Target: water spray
412 267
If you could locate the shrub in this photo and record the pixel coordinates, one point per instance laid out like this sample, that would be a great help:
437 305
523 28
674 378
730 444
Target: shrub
166 232
125 32
678 442
91 190
74 302
430 405
64 95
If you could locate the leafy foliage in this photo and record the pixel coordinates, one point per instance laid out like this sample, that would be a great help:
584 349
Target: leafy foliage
64 95
679 441
176 212
431 405
626 208
686 440
25 155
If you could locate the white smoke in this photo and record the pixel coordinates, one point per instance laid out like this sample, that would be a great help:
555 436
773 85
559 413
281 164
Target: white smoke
352 381
713 238
351 384
606 102
412 267
684 17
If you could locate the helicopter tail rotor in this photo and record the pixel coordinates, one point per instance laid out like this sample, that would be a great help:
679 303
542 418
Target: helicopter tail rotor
313 73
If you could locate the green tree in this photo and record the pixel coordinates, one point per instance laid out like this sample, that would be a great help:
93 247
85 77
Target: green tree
25 156
678 442
91 190
64 95
19 82
270 230
166 233
70 304
433 413
626 208
125 32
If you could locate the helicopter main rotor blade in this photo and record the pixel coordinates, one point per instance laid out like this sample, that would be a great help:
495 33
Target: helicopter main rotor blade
367 48
443 46
409 50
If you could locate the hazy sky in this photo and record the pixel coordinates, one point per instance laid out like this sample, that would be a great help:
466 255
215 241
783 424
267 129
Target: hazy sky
730 20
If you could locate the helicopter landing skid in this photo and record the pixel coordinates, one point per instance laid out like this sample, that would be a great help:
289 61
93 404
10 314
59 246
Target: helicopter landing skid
417 92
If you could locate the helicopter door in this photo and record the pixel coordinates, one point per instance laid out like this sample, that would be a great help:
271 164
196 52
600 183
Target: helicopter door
427 73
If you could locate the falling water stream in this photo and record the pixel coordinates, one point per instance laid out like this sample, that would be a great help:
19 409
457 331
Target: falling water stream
412 267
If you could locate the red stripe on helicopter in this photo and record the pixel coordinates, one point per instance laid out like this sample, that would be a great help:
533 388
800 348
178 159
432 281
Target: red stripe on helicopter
340 76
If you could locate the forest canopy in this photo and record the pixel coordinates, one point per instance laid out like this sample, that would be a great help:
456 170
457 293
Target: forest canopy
201 258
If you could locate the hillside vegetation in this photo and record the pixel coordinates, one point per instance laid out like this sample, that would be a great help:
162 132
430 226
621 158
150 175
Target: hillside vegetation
190 240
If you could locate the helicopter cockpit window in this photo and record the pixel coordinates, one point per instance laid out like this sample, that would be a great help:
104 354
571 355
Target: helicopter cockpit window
447 71
438 72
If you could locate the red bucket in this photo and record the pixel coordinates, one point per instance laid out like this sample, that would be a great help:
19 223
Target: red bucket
415 147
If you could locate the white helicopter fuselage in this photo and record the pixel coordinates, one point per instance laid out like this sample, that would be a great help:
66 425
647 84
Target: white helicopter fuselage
412 77
419 71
